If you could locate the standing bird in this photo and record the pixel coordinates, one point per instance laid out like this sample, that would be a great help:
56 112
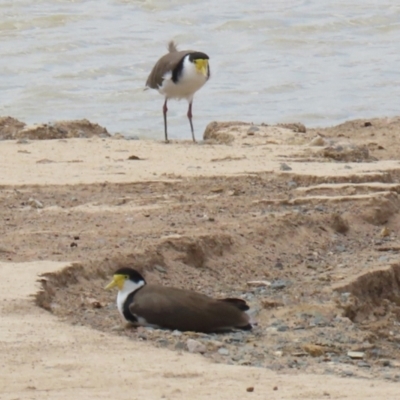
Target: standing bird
179 75
172 308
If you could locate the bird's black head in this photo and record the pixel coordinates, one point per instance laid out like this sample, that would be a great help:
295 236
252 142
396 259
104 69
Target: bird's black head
200 60
129 273
126 274
198 55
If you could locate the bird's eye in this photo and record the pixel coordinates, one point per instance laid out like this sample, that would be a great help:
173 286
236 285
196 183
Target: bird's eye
126 277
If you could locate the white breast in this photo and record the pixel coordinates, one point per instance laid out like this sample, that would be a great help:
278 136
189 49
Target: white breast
189 82
129 287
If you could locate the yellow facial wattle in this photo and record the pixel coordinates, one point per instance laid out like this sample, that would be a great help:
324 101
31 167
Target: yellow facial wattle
118 280
201 66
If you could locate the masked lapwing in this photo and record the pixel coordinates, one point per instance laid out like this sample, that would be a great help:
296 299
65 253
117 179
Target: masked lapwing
172 308
179 75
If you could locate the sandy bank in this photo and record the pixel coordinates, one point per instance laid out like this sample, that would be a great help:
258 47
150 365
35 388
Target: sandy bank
247 203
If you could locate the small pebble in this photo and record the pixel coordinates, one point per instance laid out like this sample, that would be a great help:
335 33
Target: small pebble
237 337
35 203
355 355
363 364
252 129
347 373
340 248
194 346
282 328
161 269
278 284
278 265
180 346
385 232
223 351
314 350
285 167
318 141
259 283
117 328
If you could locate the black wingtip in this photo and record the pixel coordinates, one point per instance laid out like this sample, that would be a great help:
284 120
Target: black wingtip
247 327
238 303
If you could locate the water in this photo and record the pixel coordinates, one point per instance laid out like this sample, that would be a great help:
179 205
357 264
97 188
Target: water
310 61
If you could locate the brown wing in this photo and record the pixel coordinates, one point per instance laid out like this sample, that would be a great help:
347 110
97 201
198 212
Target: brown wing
164 64
186 311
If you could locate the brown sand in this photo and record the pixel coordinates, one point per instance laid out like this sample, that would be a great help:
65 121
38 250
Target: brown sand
212 216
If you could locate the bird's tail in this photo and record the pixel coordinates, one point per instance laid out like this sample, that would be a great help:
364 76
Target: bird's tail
172 47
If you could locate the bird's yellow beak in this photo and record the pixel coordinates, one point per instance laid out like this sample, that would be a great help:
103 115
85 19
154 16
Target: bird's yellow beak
201 66
118 280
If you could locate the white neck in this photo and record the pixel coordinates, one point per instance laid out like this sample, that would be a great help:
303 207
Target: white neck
188 84
129 287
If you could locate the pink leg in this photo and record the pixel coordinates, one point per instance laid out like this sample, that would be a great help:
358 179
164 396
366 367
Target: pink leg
165 109
189 115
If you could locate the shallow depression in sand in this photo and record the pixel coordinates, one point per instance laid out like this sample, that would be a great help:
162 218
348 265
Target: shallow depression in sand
309 317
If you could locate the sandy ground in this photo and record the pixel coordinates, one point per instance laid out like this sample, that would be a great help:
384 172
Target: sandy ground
43 358
316 210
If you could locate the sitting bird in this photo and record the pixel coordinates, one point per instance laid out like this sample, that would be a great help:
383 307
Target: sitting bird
172 308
